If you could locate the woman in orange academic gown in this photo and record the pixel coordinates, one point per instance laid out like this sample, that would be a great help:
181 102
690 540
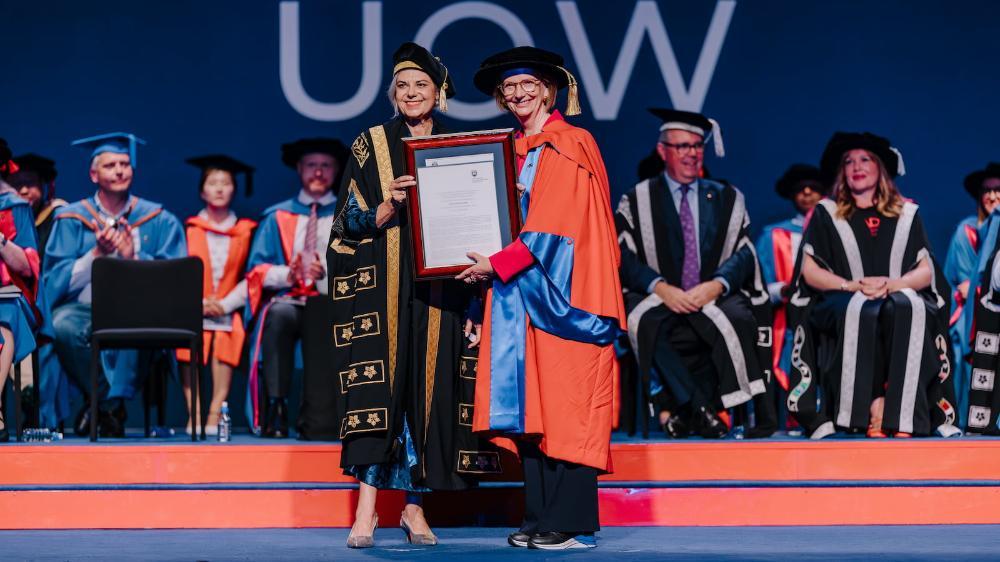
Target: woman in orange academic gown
547 368
222 242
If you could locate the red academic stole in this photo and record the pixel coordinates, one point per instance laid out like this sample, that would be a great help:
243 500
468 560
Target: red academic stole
29 286
228 345
972 235
784 264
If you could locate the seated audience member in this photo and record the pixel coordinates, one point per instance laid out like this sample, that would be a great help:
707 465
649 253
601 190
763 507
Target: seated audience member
692 283
960 266
19 269
287 265
35 182
222 242
112 223
867 294
777 248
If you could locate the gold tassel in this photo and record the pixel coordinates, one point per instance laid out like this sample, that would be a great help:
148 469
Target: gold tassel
442 92
572 95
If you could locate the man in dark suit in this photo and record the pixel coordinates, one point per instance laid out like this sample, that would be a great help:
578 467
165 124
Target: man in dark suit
694 293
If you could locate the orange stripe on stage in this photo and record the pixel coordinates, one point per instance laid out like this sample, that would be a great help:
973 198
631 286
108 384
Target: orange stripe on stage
208 509
188 509
800 506
171 464
855 459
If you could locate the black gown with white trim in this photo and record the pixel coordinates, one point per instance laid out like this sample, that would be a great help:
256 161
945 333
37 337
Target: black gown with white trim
848 349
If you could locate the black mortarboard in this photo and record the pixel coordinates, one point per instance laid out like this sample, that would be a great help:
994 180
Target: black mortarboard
675 119
842 142
225 163
974 181
411 55
34 170
798 176
527 60
293 151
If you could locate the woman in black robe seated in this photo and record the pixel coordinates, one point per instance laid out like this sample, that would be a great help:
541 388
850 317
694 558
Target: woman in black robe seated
869 296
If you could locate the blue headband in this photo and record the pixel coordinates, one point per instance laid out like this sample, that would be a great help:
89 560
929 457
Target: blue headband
515 71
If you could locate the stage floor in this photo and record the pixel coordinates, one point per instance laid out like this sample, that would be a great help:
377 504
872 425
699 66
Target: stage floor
963 542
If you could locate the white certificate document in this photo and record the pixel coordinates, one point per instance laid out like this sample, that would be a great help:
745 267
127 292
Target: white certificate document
458 209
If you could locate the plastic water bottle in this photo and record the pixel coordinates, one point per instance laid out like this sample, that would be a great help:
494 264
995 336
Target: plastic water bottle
40 435
225 424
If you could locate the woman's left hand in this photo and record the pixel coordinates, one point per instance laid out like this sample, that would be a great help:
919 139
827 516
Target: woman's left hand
473 333
480 271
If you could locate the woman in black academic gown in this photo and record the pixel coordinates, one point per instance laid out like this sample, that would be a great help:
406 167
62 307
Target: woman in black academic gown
869 290
407 371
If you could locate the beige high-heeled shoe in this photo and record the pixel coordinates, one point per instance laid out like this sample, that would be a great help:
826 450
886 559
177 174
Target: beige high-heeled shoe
430 539
363 541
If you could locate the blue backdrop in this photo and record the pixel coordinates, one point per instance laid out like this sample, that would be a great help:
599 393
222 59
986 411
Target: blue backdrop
241 77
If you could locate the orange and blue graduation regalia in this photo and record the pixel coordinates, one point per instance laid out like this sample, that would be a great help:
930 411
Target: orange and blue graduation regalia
227 347
272 245
547 366
20 312
776 249
156 233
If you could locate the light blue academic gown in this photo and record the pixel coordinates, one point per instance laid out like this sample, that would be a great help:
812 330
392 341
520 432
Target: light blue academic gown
161 237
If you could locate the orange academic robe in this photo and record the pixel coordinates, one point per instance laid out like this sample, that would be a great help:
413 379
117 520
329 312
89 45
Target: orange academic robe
570 386
228 346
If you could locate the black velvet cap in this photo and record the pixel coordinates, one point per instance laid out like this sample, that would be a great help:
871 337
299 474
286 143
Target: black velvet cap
797 177
225 163
293 151
974 181
842 142
411 55
531 59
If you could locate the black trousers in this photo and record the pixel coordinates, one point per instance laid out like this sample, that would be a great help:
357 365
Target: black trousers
287 323
683 364
558 495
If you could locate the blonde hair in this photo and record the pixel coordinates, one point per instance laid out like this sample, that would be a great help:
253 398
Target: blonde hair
888 201
549 85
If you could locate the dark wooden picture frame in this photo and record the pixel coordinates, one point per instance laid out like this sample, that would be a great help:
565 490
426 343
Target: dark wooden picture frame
499 142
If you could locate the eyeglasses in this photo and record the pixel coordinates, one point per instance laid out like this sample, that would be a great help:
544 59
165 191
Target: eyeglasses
685 148
528 86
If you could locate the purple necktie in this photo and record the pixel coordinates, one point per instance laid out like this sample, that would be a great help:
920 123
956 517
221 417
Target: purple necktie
689 274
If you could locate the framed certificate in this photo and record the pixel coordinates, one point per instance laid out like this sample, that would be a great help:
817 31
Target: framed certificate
465 199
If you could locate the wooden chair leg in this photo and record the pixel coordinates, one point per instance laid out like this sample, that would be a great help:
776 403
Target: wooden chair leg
18 412
95 369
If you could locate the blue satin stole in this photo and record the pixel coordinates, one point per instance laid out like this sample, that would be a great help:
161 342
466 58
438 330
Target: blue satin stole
541 292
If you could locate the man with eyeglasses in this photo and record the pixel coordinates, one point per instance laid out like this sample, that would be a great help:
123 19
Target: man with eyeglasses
698 312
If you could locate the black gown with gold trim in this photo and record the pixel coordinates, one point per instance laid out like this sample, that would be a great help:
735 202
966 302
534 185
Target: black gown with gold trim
401 357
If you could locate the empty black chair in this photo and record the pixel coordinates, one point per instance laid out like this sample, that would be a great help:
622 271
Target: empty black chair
139 304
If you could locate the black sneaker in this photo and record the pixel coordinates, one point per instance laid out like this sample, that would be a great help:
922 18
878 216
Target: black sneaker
562 541
519 539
